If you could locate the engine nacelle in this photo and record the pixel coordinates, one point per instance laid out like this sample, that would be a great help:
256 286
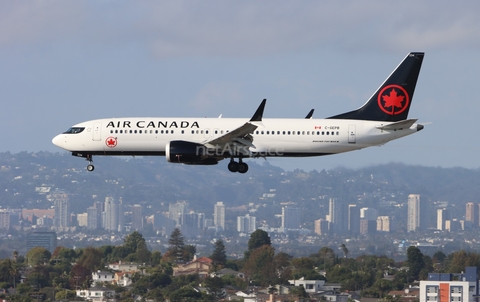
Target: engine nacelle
189 153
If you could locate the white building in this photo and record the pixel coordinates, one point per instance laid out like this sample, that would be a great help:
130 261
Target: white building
102 276
311 286
219 215
442 287
97 294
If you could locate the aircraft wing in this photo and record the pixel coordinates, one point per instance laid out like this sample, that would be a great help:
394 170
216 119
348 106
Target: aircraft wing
405 124
241 135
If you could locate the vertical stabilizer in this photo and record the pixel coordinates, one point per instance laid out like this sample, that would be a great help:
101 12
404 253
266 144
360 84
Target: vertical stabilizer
391 102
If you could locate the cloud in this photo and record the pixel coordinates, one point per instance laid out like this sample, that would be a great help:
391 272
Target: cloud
247 28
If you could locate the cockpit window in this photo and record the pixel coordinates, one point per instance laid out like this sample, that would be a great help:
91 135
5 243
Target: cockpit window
74 130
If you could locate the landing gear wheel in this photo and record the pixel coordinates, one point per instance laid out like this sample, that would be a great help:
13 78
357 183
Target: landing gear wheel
233 166
242 168
90 168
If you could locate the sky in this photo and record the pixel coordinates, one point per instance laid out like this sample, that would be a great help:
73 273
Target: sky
64 62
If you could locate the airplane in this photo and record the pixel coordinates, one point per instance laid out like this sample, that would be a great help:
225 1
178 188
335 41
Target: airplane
206 141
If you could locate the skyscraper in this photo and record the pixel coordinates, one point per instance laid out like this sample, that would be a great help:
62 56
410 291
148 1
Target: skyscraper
111 214
471 215
219 215
93 218
290 218
354 218
177 210
413 219
442 216
62 213
338 215
246 224
137 218
383 224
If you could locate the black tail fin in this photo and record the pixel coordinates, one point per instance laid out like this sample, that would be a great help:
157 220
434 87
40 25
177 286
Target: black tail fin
391 102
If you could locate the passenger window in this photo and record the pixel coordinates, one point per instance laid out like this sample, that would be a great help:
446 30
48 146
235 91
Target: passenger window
256 132
183 131
134 131
171 131
156 131
338 133
193 131
262 132
288 132
283 132
303 132
161 131
298 132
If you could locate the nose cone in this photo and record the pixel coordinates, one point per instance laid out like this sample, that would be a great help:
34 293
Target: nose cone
58 140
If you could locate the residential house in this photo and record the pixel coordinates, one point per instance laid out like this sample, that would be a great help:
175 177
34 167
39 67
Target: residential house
200 266
100 277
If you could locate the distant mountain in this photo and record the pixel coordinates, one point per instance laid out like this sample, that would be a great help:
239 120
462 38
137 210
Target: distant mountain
153 182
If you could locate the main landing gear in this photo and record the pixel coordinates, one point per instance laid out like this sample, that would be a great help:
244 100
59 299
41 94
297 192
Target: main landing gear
90 166
239 167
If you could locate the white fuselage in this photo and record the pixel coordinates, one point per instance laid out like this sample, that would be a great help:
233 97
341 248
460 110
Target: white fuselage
273 137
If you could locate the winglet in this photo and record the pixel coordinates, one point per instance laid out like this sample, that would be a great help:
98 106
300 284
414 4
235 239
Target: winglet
310 114
257 117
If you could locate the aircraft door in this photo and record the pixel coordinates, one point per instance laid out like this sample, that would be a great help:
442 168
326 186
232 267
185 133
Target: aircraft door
97 127
352 134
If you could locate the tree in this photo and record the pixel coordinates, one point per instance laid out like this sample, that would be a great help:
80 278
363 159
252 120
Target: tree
344 250
37 255
260 267
257 239
219 255
327 255
215 287
133 241
177 245
91 259
415 263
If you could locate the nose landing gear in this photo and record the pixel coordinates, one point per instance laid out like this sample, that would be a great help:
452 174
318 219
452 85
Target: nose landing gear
90 166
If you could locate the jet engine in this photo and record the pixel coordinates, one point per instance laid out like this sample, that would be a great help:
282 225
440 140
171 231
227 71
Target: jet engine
189 153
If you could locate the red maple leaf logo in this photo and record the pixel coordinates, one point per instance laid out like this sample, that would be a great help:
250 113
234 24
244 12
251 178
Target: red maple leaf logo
393 97
111 142
393 100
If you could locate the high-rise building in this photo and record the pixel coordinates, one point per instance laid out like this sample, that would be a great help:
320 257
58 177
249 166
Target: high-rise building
177 210
82 219
219 215
61 219
471 214
93 221
354 218
413 219
290 218
383 224
338 215
442 216
368 214
47 240
246 224
113 215
137 217
321 226
4 220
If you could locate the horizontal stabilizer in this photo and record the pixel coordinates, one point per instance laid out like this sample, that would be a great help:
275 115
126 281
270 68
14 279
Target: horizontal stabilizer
405 124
